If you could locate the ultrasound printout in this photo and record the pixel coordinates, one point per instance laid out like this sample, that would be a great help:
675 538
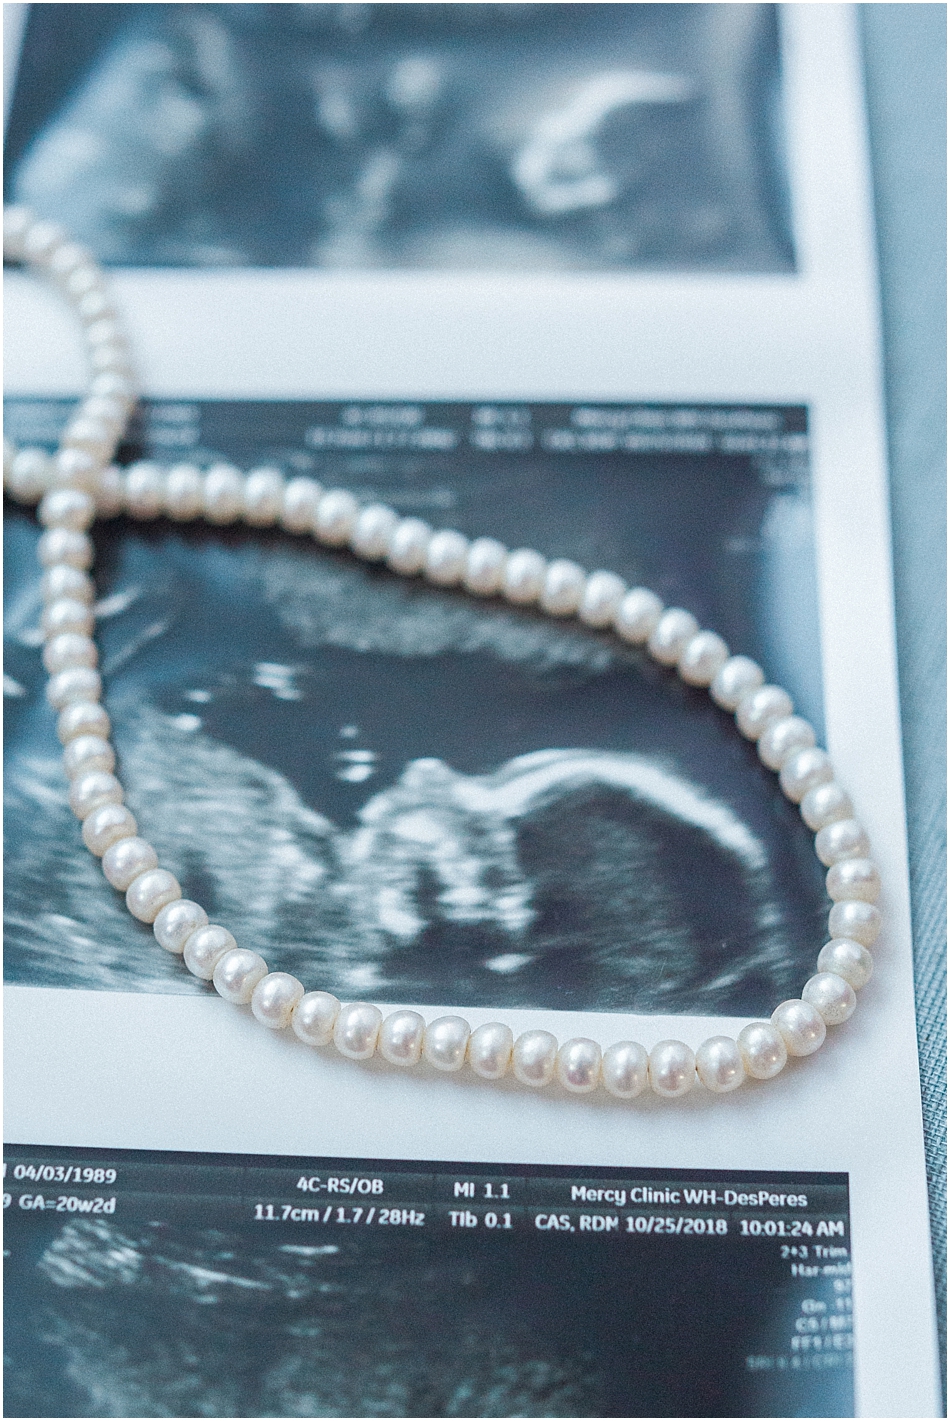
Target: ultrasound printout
495 137
152 1284
597 280
426 797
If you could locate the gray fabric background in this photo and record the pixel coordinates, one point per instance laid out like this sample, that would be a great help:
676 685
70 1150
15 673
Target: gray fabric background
905 58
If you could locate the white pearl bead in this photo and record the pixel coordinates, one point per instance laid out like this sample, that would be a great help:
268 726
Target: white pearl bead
17 221
67 650
65 545
601 598
82 718
315 1017
408 546
109 358
336 515
702 658
578 1065
831 996
637 617
735 679
625 1069
671 635
485 567
847 959
761 708
114 385
801 1027
104 330
147 895
110 492
40 240
274 998
176 922
851 878
79 683
107 350
96 436
845 839
859 921
67 258
523 577
237 974
96 430
263 503
107 824
122 862
110 408
803 772
30 475
110 365
534 1058
184 494
826 804
63 583
94 304
784 738
67 508
76 468
563 588
144 490
86 753
719 1064
445 1042
762 1049
82 281
91 791
298 510
374 526
400 1038
489 1050
357 1030
204 947
445 558
67 614
223 494
672 1069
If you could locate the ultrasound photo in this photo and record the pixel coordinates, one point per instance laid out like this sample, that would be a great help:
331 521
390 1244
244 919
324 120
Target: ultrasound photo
187 1295
519 137
402 792
159 1320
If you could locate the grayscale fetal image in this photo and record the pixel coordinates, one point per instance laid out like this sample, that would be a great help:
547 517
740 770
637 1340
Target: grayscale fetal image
160 1320
407 793
202 1288
518 137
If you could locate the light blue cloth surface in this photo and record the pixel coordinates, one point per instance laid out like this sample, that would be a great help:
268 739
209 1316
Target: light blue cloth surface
905 58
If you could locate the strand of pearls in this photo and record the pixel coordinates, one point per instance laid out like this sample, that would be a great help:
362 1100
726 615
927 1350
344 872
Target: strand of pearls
79 484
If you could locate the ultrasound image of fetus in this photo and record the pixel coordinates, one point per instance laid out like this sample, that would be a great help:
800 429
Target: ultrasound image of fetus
512 137
163 1320
582 875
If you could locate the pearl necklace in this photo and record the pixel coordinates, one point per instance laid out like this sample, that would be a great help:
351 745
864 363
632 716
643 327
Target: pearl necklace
80 483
